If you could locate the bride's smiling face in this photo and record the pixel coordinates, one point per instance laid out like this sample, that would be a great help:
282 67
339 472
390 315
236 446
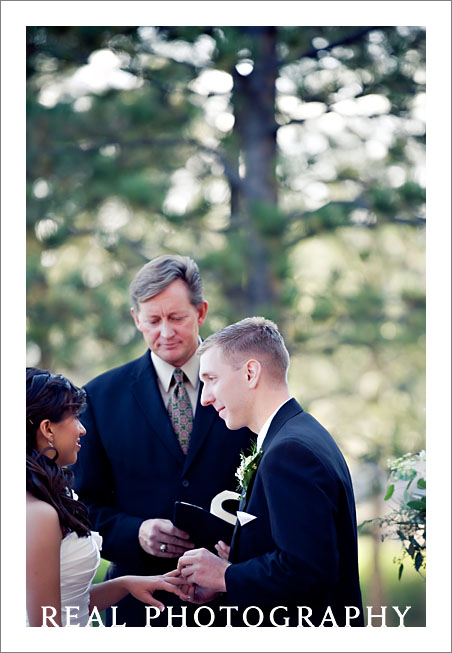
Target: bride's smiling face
65 437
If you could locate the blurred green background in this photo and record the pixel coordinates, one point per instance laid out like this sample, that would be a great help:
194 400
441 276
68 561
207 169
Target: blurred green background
289 162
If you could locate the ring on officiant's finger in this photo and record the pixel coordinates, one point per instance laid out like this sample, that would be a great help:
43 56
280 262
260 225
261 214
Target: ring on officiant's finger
163 548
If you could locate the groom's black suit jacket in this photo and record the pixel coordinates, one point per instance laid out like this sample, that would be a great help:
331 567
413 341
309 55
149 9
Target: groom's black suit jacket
301 550
131 467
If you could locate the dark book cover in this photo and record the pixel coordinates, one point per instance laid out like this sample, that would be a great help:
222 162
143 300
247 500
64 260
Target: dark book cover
205 528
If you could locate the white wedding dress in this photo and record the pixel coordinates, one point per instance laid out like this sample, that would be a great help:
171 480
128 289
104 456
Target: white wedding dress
79 560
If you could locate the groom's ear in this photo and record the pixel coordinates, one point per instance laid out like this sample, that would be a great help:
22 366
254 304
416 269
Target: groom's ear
253 372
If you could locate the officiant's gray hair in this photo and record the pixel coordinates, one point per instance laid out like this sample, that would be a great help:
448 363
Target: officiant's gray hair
157 275
254 337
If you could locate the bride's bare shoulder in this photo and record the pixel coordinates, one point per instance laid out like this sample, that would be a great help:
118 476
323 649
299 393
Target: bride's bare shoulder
40 513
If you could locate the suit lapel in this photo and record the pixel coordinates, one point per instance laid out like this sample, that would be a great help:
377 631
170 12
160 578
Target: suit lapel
286 412
204 419
146 391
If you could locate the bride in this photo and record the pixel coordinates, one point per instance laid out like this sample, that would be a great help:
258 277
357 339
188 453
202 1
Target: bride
62 551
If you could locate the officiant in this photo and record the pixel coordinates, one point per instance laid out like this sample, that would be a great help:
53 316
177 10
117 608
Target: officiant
149 440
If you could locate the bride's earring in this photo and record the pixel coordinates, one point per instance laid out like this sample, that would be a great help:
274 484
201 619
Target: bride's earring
50 447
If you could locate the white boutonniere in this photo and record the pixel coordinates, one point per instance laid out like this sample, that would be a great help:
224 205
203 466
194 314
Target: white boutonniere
247 468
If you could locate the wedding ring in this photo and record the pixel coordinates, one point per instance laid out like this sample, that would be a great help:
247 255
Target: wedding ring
163 548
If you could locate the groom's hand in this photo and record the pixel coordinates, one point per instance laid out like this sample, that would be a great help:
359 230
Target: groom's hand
161 538
203 594
223 549
201 567
194 593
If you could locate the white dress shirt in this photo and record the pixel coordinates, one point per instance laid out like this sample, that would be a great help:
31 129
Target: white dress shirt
264 430
165 373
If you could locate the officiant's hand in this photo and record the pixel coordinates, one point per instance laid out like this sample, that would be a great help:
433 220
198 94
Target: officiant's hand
201 567
161 538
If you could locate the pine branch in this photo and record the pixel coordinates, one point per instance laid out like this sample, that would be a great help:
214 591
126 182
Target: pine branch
346 40
359 202
232 176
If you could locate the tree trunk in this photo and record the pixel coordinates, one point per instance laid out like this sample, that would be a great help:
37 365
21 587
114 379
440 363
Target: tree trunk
255 128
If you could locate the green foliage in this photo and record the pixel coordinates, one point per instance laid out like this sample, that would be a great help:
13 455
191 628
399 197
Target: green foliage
271 222
390 491
408 518
290 213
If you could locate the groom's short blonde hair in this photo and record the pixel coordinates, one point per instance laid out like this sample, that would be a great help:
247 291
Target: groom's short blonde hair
253 337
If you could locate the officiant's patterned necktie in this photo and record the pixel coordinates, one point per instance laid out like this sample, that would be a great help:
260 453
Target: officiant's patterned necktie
180 410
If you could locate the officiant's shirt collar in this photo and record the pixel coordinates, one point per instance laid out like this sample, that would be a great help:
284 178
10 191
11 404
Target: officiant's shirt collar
165 370
264 430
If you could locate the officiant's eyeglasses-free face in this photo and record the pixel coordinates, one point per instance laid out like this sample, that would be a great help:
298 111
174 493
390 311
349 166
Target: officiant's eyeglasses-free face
170 323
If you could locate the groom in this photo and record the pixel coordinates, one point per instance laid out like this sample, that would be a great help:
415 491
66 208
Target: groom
295 541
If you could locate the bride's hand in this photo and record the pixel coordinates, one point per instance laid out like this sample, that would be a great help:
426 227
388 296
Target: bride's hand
175 578
143 588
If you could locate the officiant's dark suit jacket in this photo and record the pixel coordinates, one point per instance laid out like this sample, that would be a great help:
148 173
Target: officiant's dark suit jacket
301 550
131 468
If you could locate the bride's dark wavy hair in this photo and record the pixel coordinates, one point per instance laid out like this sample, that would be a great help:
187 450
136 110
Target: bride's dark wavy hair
52 396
